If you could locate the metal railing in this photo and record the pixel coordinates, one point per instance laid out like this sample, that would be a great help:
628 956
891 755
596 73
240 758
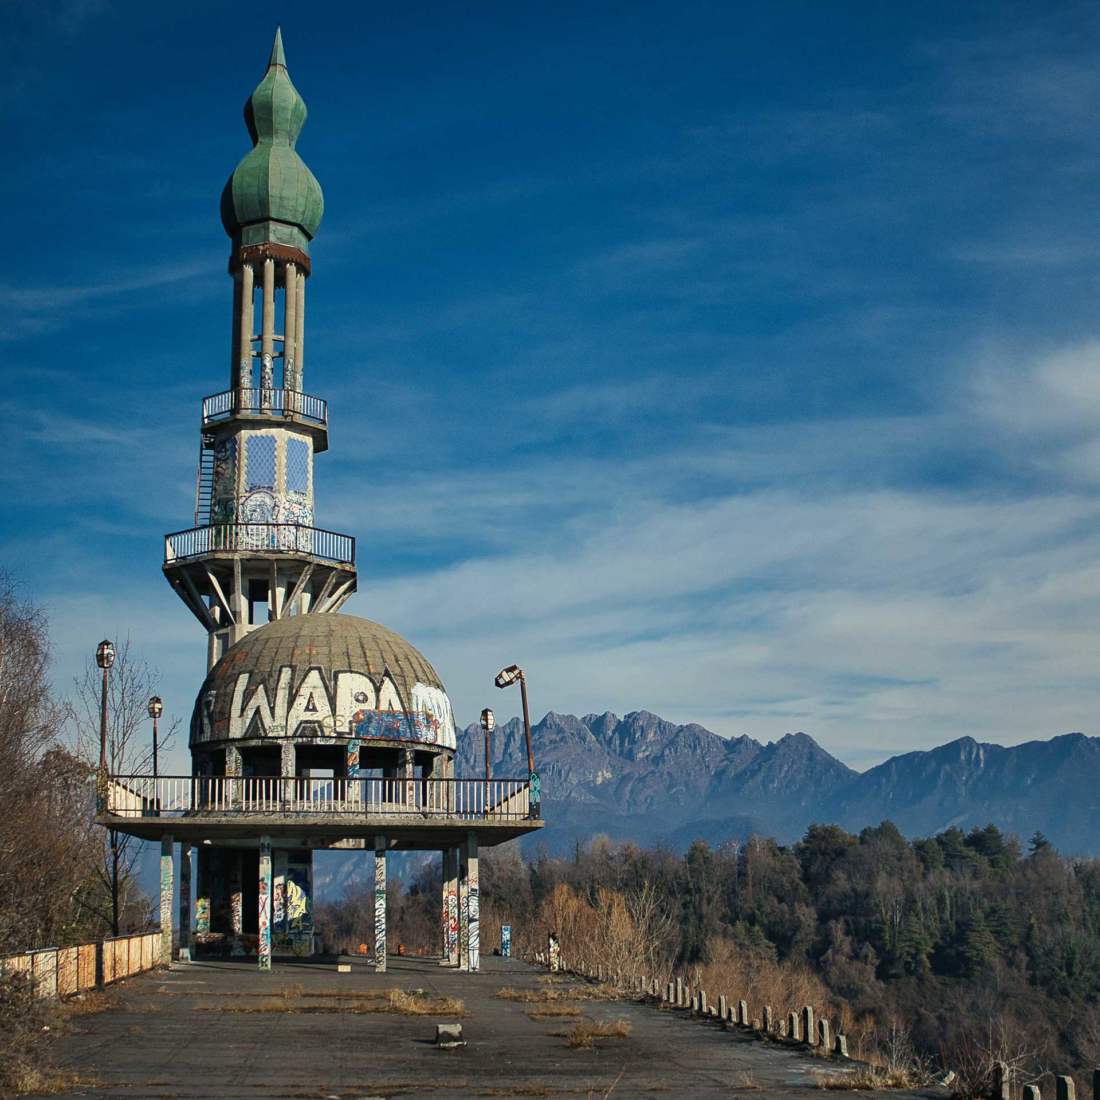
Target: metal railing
275 402
131 796
287 538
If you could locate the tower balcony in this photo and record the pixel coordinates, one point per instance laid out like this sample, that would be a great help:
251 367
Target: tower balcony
261 539
269 404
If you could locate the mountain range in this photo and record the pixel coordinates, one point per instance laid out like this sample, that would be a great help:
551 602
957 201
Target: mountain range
647 780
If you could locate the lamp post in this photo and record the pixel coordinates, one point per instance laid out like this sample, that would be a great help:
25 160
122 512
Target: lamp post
505 678
156 709
105 658
488 724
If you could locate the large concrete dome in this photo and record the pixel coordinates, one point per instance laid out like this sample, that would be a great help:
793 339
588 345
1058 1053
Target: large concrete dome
312 677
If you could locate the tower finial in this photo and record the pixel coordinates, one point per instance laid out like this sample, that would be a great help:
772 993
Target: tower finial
277 55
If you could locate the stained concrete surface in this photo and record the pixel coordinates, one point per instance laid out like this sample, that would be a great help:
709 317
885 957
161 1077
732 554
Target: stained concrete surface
167 1036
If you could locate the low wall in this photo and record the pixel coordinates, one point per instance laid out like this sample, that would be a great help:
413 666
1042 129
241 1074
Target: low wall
58 972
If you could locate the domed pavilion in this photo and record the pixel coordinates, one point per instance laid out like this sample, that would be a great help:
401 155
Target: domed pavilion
313 729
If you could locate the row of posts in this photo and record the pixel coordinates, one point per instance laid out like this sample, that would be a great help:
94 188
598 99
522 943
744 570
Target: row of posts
798 1027
1064 1086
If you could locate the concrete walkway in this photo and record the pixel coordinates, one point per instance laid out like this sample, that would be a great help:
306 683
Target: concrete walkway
219 1030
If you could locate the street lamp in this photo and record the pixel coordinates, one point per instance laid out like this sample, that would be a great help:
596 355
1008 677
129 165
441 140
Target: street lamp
105 658
156 709
505 678
488 724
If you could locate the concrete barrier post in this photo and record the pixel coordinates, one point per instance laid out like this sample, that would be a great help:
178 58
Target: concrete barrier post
670 992
823 1035
840 1049
808 1034
702 1002
1032 1092
792 1025
722 1007
743 1013
1002 1081
769 1023
1065 1089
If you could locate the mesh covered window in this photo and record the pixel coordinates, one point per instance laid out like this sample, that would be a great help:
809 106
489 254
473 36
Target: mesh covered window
260 467
297 466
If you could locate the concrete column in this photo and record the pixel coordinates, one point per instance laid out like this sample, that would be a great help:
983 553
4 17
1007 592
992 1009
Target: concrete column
185 901
809 1035
263 903
474 905
824 1035
1064 1088
300 331
166 899
1032 1092
244 337
267 333
290 312
278 892
410 777
235 337
463 910
769 1022
453 939
792 1025
380 905
236 909
202 897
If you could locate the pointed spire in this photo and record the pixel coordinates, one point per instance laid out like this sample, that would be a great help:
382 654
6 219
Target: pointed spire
277 55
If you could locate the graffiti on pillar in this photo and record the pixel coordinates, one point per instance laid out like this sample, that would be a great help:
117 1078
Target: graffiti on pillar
166 904
278 891
263 908
353 759
475 918
452 925
553 953
202 915
506 940
380 909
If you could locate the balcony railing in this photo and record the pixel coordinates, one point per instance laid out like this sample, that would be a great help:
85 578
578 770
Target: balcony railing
286 538
135 796
274 402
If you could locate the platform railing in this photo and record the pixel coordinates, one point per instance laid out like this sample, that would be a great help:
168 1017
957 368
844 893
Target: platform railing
134 796
287 538
265 401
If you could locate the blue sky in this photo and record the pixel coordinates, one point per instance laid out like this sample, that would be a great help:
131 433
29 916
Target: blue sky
739 362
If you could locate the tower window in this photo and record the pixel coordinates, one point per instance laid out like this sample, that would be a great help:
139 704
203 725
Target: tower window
260 467
297 466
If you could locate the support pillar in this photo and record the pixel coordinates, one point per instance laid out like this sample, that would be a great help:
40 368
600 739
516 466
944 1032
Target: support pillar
410 777
267 335
244 337
380 905
236 904
451 887
463 910
185 902
300 331
290 313
263 905
202 895
166 899
474 904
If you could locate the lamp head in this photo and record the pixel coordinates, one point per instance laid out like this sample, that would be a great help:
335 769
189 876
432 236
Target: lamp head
156 707
508 676
105 654
488 720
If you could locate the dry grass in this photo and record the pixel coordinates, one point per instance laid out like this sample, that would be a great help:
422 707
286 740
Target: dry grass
584 1033
399 1001
867 1077
550 994
549 1012
746 1082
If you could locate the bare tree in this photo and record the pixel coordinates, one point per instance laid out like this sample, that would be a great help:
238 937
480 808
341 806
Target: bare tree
46 849
129 752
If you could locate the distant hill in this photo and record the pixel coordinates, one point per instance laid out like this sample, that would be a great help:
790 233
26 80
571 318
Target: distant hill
647 780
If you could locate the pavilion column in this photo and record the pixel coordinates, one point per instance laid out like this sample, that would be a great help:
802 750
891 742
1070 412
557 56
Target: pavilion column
474 903
450 907
185 901
166 899
267 335
263 906
202 894
290 324
380 905
410 777
300 330
244 335
463 909
236 905
235 336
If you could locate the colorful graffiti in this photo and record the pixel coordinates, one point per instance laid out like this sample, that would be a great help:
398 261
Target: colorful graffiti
166 902
506 941
202 915
278 891
353 759
380 910
452 924
344 704
474 911
263 907
553 952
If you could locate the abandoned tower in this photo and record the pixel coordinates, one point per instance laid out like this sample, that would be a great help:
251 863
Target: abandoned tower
312 729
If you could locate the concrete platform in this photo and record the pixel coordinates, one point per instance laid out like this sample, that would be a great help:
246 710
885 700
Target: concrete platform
169 1036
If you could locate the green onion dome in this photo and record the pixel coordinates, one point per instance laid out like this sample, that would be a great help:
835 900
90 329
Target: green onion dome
272 196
